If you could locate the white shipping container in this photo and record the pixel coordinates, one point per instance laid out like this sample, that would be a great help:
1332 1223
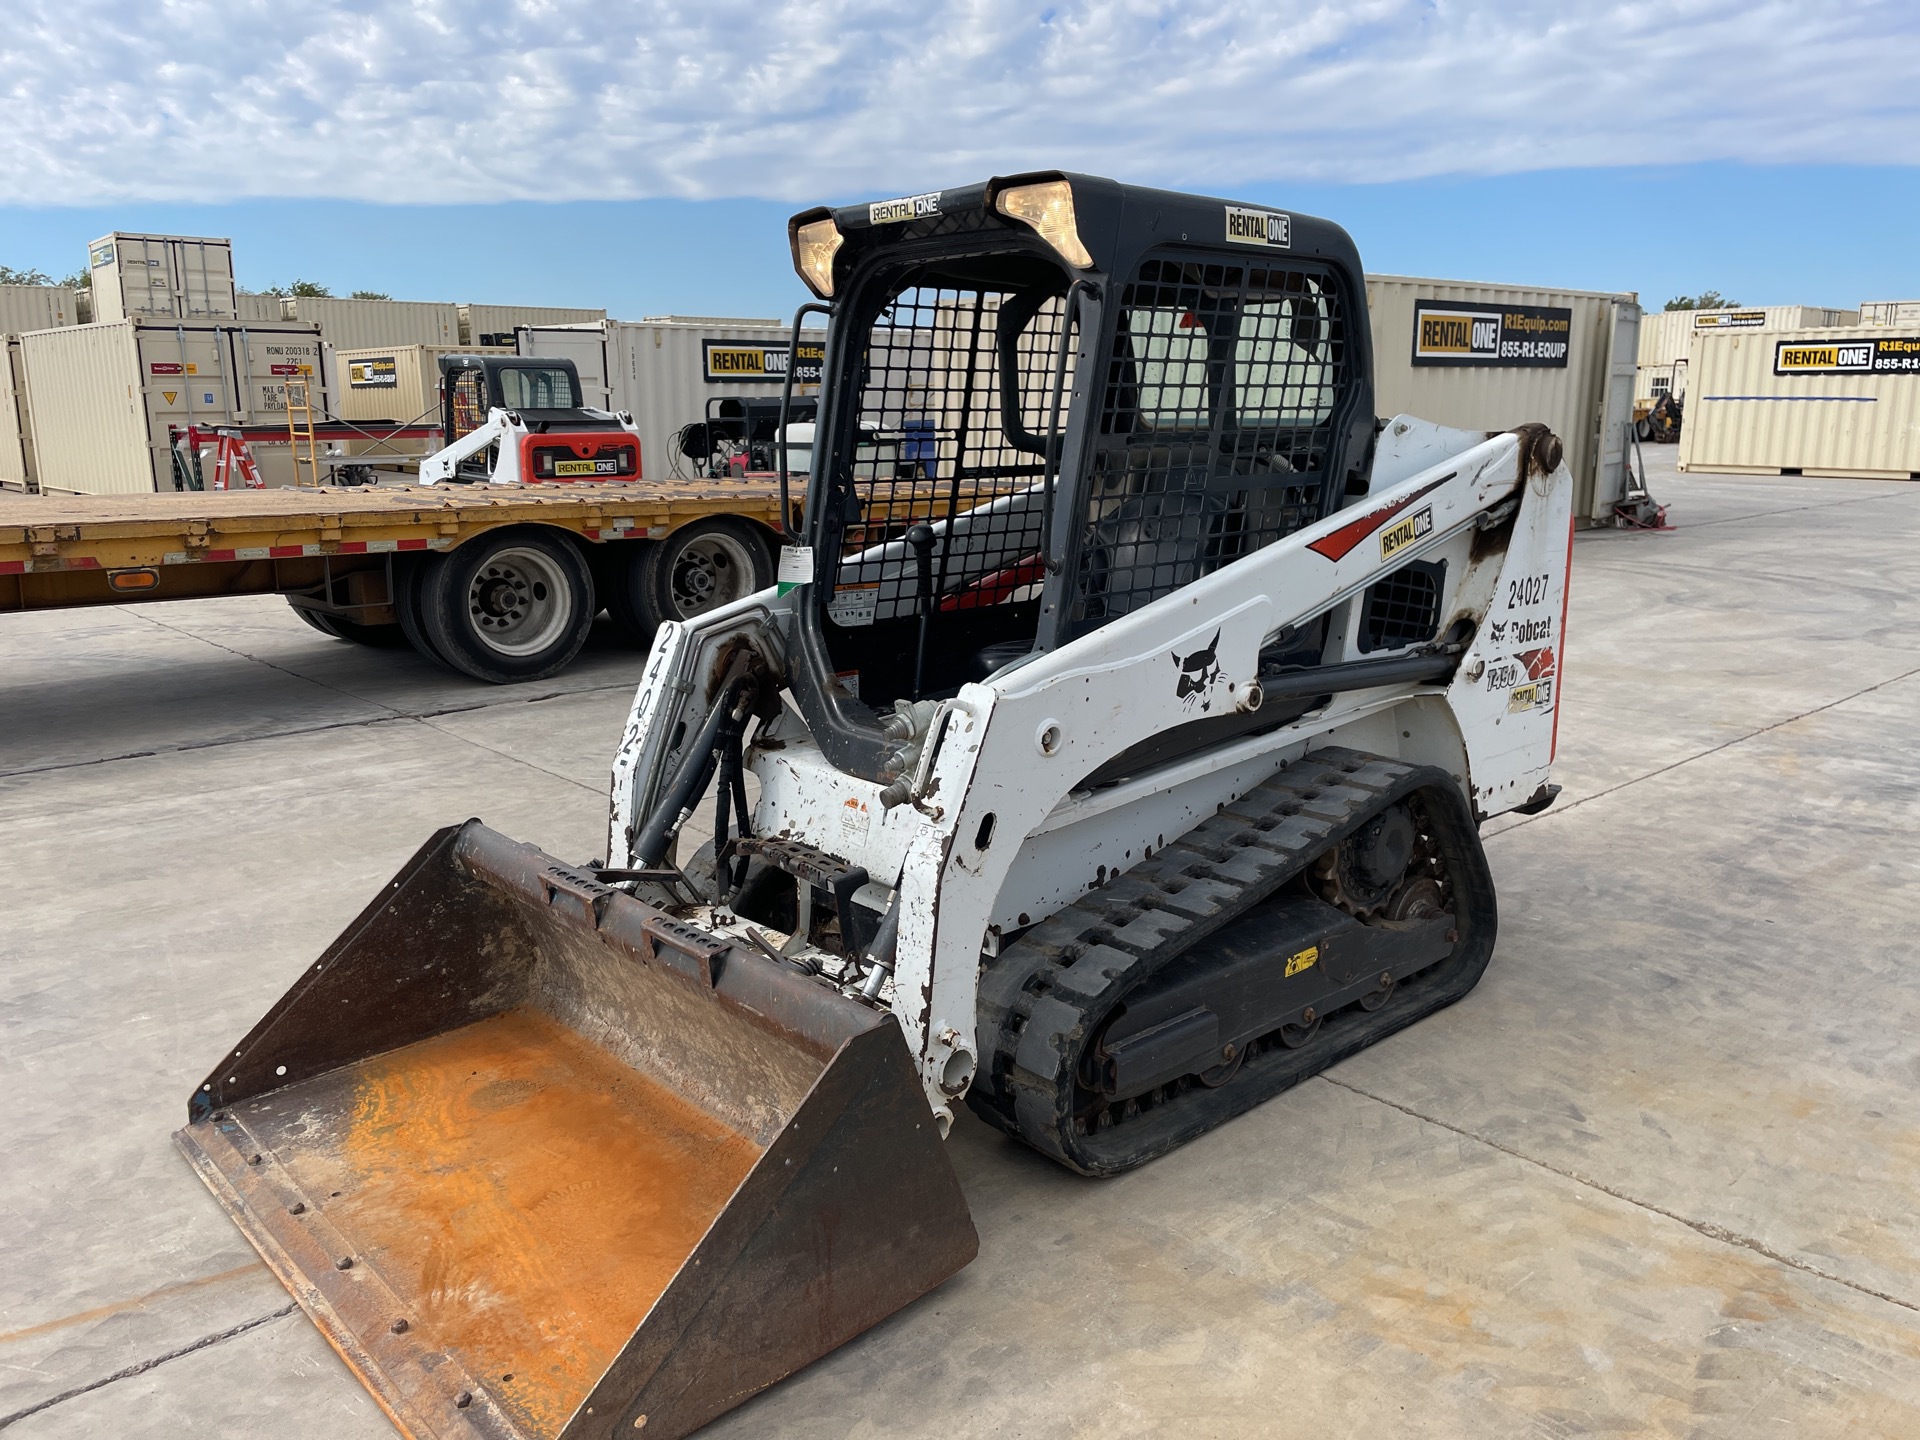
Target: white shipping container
36 307
477 321
395 383
356 324
105 397
1890 312
1831 402
1583 391
16 425
659 371
186 277
1666 334
258 309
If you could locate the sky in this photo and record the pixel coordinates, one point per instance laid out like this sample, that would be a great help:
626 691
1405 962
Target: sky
645 157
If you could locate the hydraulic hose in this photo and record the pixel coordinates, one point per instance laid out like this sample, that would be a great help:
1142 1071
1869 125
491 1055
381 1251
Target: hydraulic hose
690 781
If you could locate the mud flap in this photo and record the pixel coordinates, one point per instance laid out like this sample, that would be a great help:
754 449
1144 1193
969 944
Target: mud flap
542 1162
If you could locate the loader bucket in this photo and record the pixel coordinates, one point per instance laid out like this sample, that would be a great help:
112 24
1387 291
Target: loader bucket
541 1161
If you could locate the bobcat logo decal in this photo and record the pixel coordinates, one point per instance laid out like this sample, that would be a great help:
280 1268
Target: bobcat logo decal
1198 673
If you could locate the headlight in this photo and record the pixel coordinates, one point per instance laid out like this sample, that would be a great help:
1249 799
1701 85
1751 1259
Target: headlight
1048 208
814 246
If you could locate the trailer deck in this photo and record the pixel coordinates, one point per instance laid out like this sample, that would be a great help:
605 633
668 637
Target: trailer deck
58 551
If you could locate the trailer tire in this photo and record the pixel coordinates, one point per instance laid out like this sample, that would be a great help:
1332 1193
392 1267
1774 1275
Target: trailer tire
410 573
620 577
338 627
509 605
697 568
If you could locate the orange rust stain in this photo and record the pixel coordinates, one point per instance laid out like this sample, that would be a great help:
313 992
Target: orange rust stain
100 1312
528 1197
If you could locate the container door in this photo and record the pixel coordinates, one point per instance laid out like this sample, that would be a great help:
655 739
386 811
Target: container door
1616 410
201 274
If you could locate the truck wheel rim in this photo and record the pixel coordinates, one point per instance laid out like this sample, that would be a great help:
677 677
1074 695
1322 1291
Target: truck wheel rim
710 570
519 602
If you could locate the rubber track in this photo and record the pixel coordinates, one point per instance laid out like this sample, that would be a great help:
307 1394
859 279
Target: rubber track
1044 995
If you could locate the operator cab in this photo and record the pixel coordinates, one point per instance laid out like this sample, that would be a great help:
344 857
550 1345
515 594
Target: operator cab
545 394
1102 393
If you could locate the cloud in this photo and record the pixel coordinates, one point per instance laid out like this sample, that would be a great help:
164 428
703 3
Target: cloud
439 101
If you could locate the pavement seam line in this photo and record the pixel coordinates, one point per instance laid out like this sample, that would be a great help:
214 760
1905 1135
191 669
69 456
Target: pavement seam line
295 674
145 1365
1573 805
1704 1228
397 717
1796 509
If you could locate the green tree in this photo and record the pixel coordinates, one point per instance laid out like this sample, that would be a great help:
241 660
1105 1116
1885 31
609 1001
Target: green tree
311 288
371 295
1705 300
79 280
11 276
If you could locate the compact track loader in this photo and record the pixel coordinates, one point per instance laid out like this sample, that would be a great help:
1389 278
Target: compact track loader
1139 783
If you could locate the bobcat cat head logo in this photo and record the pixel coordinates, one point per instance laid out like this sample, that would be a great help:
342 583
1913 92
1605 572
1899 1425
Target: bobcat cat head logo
1198 673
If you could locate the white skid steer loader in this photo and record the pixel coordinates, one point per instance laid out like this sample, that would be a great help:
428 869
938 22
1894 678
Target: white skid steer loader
1141 781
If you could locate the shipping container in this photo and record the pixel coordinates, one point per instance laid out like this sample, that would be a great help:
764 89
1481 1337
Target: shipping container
1665 335
184 277
107 398
663 372
36 307
1837 401
16 424
259 309
500 321
1890 312
357 324
1490 357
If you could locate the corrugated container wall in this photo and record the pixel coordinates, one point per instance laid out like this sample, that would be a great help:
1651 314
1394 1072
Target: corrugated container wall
16 424
1890 312
186 277
356 324
259 309
479 321
36 307
1585 395
1847 404
658 371
105 397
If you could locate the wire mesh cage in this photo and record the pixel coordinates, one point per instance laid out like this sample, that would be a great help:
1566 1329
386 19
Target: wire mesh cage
1215 428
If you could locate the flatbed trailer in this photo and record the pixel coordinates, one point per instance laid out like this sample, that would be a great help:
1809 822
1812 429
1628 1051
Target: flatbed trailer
499 582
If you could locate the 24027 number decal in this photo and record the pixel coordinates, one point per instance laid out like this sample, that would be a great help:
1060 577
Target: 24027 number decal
1526 591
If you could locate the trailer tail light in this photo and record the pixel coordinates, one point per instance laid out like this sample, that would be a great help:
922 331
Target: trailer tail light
128 582
595 459
1048 208
814 246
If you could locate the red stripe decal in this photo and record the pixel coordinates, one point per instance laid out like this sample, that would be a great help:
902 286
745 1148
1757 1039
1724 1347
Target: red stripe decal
13 567
420 544
352 547
1560 681
218 555
83 562
282 552
1341 542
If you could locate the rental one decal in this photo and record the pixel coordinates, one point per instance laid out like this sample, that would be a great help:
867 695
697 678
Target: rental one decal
1449 332
1890 355
738 362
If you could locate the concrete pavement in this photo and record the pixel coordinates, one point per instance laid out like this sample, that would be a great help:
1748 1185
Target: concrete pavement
1655 1176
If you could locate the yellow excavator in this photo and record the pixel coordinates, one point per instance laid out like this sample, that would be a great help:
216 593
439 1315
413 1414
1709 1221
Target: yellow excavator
1120 763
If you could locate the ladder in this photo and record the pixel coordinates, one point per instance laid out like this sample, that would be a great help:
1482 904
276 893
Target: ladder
300 430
